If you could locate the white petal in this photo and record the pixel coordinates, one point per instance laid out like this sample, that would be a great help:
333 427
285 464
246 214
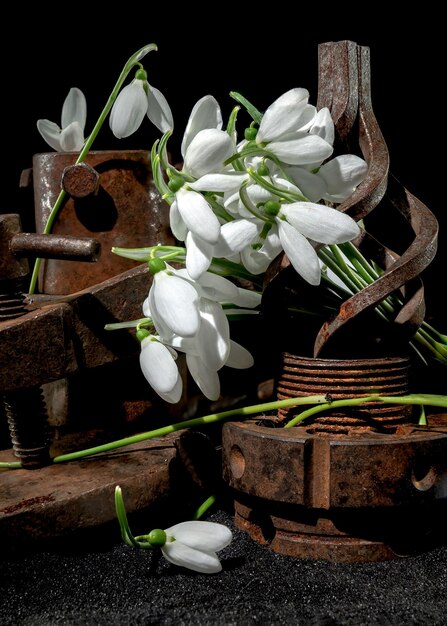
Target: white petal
205 114
305 150
198 215
196 560
342 175
239 357
213 338
51 133
323 126
158 110
162 329
208 536
207 152
177 303
74 108
313 186
158 366
198 255
184 344
72 138
282 116
178 226
247 298
175 394
300 253
207 380
129 109
218 288
234 236
320 223
146 308
219 182
257 261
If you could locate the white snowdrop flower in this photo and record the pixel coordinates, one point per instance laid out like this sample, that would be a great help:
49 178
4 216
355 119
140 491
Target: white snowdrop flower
136 100
70 136
158 365
193 544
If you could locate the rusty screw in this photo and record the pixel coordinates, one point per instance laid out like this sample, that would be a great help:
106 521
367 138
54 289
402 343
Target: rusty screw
25 408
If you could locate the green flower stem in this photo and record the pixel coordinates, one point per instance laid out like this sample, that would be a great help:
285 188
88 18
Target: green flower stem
126 533
320 400
192 423
132 61
412 399
203 508
10 465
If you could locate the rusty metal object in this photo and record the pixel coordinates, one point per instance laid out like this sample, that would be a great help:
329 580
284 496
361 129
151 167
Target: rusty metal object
80 180
376 186
28 426
351 378
71 497
360 498
125 211
354 485
65 247
345 87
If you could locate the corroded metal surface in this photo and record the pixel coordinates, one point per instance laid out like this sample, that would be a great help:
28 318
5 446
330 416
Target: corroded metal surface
347 499
60 499
125 211
346 486
345 87
351 378
64 247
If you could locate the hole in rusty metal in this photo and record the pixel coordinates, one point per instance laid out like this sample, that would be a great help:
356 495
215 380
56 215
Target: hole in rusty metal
237 462
423 475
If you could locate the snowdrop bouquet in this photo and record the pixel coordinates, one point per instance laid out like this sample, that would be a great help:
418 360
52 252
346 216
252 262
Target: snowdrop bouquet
238 201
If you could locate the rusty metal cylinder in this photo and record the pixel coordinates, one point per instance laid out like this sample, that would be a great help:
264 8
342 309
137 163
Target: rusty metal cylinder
56 247
350 378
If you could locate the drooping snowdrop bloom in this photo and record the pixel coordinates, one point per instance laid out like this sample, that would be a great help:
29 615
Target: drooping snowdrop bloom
334 181
158 365
285 130
70 136
136 100
189 317
300 221
192 544
205 114
173 302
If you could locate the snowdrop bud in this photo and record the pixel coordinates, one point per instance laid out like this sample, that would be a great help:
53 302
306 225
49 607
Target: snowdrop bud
156 265
157 538
250 133
129 109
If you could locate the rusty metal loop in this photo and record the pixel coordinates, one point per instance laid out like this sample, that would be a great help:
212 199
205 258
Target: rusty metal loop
345 88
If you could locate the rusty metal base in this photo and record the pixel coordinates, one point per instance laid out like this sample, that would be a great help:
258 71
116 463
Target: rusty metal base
351 499
53 501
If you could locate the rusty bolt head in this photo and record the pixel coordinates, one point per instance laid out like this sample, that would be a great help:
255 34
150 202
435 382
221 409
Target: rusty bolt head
80 180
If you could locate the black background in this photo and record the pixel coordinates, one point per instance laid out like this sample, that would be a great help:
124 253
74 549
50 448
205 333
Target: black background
260 52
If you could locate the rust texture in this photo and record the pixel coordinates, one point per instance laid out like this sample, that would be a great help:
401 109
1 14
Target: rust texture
358 484
351 378
124 211
345 87
55 247
363 498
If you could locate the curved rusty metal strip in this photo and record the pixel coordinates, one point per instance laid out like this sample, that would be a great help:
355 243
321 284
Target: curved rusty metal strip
407 267
400 270
373 146
338 83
